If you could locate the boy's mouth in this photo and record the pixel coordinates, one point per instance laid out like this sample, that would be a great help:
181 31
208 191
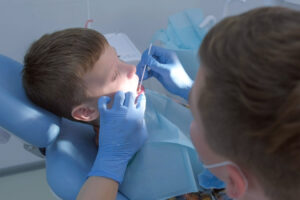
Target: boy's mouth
140 90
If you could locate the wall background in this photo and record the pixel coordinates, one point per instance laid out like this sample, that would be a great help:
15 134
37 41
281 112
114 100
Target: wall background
23 21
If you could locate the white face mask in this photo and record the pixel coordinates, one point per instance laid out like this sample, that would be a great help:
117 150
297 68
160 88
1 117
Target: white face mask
221 164
218 164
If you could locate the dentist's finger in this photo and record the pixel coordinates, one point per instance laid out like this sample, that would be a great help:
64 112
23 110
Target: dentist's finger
141 102
129 99
119 99
102 103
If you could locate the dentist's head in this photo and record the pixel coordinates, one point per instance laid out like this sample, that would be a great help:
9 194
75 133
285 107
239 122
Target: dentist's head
246 104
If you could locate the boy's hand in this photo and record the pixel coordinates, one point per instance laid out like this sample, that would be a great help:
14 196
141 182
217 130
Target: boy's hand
122 134
166 67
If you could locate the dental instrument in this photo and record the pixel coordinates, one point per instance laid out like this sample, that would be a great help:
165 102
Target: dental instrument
140 85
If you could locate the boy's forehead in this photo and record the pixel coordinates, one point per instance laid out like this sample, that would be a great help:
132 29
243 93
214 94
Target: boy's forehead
107 54
106 60
103 67
110 48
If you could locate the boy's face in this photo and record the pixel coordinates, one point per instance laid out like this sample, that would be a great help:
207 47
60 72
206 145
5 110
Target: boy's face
108 76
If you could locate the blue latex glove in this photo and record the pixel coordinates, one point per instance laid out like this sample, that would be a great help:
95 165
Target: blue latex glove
166 67
122 134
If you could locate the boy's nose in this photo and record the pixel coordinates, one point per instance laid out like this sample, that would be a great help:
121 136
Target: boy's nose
131 71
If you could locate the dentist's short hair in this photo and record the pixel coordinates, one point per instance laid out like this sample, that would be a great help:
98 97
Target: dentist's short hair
55 64
250 103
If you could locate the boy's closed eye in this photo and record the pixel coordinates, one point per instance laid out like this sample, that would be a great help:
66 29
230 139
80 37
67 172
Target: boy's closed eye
115 76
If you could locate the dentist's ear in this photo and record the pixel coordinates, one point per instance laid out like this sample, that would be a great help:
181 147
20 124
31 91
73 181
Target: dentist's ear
236 184
85 113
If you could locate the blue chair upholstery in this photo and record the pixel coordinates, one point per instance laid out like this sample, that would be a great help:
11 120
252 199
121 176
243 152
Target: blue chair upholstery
18 114
70 147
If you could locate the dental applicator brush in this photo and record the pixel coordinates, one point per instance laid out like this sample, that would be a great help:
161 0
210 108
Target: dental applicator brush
144 69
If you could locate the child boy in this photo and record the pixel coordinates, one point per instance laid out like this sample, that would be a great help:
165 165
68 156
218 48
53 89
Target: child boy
67 71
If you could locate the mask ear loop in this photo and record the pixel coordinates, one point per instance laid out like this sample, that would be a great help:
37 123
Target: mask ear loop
228 163
217 165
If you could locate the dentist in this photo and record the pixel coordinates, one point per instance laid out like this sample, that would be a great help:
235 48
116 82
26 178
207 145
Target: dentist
245 103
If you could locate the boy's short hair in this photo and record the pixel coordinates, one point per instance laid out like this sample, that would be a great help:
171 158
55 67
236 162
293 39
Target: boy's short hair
250 103
55 64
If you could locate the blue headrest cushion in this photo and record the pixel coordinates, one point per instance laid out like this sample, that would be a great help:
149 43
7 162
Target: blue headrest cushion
18 114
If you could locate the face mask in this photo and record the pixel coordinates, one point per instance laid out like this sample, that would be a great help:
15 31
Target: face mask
209 181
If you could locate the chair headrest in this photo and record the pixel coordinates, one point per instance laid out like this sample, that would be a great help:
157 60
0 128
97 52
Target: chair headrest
18 115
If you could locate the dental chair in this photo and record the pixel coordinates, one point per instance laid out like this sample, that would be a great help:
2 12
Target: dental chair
165 167
70 146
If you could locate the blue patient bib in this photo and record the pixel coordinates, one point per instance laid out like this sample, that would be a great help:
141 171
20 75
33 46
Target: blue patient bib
184 35
166 166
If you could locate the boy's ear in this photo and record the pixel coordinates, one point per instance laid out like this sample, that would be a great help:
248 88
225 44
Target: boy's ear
236 185
85 113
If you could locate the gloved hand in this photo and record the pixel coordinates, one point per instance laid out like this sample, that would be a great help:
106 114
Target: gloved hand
122 134
166 67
